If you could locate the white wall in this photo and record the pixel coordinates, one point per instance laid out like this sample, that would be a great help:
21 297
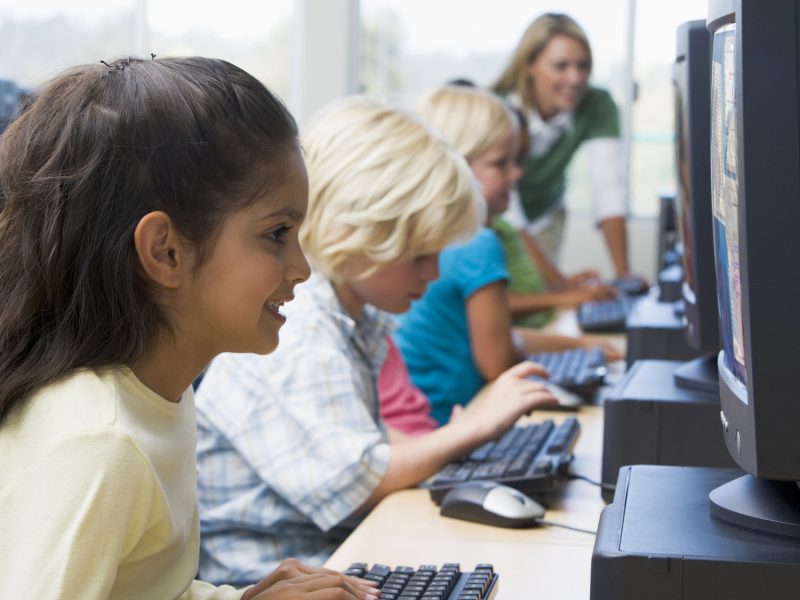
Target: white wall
584 246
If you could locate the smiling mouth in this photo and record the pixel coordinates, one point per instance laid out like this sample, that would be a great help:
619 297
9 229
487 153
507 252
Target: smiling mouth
274 306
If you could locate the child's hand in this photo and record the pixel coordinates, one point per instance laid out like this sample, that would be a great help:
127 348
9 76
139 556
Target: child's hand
599 292
292 579
512 395
583 278
609 351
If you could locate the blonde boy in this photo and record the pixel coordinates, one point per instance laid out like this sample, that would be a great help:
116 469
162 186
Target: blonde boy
297 447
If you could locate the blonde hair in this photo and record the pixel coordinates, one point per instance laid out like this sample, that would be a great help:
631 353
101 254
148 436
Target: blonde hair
382 186
471 119
515 77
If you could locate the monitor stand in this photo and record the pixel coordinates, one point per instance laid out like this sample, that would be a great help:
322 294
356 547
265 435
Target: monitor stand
659 540
771 507
700 374
649 419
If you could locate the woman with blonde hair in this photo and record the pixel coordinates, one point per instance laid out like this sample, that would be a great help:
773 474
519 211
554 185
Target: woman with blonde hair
547 78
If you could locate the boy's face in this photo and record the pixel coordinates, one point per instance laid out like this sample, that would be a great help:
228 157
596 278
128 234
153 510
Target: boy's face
497 172
232 304
391 289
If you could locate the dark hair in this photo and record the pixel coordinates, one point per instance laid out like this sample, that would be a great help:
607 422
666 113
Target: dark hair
97 148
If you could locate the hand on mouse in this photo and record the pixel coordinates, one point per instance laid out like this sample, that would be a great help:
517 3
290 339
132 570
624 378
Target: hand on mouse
512 395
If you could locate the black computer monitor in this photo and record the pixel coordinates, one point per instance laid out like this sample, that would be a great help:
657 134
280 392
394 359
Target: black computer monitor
755 171
692 85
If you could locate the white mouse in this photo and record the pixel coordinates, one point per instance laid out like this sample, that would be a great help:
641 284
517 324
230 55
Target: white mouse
566 399
491 503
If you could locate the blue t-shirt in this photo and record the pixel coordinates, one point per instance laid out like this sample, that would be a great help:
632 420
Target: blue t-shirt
434 334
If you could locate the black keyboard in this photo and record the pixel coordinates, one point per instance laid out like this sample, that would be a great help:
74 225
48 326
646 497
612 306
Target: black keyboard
533 458
578 370
633 286
428 582
604 316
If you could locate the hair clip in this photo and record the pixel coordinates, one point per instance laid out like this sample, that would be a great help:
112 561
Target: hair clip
120 66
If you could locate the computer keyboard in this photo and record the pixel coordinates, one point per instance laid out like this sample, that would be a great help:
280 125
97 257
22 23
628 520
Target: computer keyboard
578 370
633 286
427 582
604 316
533 458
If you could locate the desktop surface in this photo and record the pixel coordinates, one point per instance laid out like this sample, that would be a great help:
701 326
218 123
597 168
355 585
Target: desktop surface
407 529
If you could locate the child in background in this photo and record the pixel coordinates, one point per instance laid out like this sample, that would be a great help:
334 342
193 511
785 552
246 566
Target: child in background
534 289
149 221
459 335
385 196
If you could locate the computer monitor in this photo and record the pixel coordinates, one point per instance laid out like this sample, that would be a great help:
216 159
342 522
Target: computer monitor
692 85
755 174
10 97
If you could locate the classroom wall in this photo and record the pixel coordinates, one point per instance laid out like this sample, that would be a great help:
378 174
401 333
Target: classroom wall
584 246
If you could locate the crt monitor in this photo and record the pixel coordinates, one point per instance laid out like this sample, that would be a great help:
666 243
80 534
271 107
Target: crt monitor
755 174
692 86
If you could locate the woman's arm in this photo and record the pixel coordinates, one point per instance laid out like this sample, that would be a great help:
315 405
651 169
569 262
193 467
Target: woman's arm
615 233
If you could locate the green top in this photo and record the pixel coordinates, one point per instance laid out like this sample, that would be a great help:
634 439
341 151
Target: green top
524 275
543 181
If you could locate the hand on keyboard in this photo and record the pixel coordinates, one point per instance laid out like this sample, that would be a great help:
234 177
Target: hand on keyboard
428 581
293 579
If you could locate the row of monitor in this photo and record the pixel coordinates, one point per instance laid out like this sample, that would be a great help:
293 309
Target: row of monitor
737 90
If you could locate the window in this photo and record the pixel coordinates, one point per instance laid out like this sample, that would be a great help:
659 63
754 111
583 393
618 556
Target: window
42 37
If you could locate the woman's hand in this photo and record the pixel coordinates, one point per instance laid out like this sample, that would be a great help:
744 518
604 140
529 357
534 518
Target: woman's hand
293 580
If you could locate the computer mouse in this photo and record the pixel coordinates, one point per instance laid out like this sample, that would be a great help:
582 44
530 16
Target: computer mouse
491 503
566 400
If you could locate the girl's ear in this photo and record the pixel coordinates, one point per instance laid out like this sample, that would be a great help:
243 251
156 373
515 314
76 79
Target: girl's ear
162 253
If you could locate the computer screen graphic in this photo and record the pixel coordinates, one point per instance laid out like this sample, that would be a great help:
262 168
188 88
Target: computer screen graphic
725 202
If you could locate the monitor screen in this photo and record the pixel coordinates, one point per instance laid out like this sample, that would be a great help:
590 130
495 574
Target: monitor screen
725 202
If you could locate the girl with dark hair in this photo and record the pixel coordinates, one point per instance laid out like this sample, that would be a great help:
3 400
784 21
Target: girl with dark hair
149 222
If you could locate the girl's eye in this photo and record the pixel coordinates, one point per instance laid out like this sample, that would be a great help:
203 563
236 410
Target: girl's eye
278 234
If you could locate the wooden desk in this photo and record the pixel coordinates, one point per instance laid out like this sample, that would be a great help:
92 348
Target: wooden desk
546 562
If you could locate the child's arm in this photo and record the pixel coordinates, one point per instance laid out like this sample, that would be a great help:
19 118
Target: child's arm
523 304
510 396
537 341
489 320
550 272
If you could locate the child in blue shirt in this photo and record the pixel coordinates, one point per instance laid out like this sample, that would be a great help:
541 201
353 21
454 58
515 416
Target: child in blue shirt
459 335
